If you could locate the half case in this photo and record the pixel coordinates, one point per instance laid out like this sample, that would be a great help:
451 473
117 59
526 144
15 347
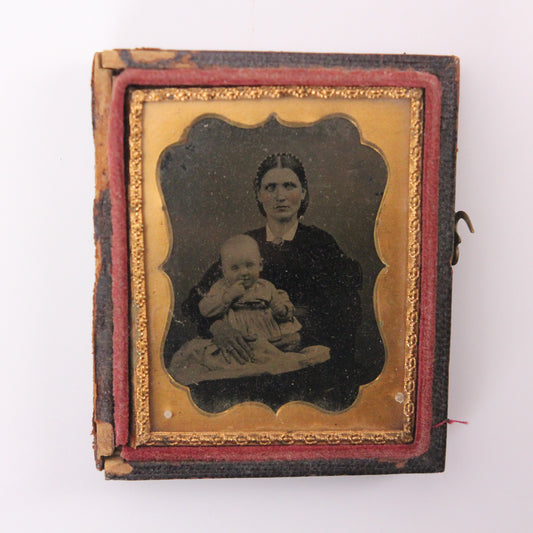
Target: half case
274 238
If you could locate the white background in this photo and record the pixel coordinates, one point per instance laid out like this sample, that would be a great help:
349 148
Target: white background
48 481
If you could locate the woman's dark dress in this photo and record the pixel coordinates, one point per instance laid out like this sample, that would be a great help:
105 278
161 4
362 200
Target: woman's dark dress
322 282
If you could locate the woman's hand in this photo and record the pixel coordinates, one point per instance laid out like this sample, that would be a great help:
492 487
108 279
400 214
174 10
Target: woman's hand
280 310
231 342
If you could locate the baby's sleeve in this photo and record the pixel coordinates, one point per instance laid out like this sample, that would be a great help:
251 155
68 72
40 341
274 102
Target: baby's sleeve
212 304
281 298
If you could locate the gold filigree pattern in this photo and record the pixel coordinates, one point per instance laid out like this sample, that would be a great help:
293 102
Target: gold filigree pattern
254 93
140 350
138 282
276 437
413 263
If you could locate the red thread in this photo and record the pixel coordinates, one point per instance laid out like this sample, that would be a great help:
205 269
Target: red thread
449 421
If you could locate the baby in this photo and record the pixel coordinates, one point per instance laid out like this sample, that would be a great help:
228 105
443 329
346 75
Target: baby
255 308
251 305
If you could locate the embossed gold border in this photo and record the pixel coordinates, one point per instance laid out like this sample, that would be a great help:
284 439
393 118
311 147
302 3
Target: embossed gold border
140 350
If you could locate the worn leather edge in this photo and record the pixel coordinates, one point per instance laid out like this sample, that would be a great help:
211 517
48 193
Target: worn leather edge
103 424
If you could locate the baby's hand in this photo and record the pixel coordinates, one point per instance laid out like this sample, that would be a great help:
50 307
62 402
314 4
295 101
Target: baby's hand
233 292
279 310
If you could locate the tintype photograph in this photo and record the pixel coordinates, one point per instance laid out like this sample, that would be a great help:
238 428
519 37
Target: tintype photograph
273 262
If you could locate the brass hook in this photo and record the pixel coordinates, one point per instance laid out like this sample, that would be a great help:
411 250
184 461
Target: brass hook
456 239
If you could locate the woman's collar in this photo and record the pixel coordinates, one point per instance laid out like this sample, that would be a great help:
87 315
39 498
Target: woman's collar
287 236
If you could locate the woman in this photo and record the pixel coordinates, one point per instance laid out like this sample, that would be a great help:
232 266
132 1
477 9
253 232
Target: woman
321 281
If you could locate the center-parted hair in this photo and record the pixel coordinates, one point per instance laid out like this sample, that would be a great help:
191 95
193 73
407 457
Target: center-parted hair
284 160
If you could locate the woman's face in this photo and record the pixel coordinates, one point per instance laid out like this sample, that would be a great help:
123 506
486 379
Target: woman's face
281 194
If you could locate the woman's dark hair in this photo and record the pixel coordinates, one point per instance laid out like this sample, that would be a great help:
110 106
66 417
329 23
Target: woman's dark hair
282 161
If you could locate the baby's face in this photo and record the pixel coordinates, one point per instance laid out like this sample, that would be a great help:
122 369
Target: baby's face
241 263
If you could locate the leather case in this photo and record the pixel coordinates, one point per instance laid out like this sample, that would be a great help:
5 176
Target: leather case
342 169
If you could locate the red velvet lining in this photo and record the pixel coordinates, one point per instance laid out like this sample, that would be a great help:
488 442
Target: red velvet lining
120 276
119 266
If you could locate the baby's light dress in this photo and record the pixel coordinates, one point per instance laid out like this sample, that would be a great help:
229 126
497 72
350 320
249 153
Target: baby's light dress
251 314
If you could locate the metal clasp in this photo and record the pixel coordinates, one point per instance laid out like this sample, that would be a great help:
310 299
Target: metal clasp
456 239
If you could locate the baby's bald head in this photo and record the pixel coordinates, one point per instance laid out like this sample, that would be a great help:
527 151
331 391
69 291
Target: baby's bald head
239 242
